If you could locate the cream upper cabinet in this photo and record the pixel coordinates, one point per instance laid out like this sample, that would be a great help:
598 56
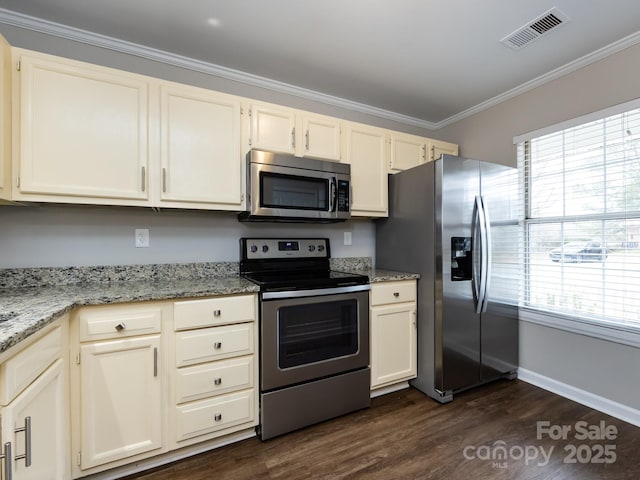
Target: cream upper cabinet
407 151
285 130
365 148
5 119
272 128
321 137
435 148
201 162
393 332
34 392
83 132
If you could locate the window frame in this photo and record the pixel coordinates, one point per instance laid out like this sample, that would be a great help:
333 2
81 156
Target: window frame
626 334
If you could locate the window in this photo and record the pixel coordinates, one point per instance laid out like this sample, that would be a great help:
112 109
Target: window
582 225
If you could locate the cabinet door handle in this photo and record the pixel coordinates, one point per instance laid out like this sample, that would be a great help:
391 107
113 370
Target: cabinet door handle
217 345
164 180
217 381
7 461
144 182
27 442
155 361
217 417
293 138
217 313
121 326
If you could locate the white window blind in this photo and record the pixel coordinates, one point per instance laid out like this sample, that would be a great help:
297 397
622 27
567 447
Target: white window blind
582 225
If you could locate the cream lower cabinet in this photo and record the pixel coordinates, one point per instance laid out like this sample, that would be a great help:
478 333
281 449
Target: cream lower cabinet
35 405
215 368
117 385
365 149
393 332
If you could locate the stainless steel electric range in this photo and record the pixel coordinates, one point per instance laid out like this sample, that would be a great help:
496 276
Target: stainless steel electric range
314 333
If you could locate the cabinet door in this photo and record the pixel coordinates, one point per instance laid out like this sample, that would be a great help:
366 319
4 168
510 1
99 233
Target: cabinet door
393 344
44 404
438 147
83 132
366 151
120 399
321 137
200 147
273 129
407 151
5 119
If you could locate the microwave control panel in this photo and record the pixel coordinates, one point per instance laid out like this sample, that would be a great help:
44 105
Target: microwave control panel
343 196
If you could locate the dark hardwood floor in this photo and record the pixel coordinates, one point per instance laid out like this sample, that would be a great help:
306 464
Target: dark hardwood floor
406 435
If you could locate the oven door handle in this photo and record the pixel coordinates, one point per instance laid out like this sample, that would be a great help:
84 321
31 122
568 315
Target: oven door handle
315 292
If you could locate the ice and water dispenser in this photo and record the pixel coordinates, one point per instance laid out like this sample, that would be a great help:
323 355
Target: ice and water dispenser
461 258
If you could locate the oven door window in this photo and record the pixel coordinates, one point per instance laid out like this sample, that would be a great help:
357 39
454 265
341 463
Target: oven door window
293 192
316 332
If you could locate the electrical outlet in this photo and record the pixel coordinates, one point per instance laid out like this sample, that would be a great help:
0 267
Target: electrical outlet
347 238
142 237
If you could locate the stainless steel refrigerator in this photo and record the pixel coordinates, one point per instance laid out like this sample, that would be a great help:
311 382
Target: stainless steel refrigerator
455 221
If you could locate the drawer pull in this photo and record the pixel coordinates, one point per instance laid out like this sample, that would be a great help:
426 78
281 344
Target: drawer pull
217 345
217 417
217 313
217 381
27 442
396 294
121 326
6 455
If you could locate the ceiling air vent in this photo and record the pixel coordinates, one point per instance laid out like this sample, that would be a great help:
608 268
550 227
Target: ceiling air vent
535 29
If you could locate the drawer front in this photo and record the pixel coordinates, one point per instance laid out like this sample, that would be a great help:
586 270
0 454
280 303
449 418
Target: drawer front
23 368
214 311
119 321
208 416
393 292
224 376
216 343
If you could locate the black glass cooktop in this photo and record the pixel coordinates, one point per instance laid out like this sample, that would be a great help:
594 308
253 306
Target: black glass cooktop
281 264
302 280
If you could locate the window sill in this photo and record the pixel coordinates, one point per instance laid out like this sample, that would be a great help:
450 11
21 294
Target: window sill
619 334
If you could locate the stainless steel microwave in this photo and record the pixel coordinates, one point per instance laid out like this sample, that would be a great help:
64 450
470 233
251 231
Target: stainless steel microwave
282 187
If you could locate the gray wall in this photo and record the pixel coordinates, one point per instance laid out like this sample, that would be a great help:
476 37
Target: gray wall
597 366
60 236
489 134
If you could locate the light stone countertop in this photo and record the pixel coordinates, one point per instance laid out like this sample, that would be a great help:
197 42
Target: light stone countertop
32 298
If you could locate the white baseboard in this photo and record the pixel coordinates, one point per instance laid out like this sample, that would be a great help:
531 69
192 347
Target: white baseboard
602 404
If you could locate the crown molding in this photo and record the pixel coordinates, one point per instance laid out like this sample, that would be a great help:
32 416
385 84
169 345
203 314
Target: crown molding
83 36
570 67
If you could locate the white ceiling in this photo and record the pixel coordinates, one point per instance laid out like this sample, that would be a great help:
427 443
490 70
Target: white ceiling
427 62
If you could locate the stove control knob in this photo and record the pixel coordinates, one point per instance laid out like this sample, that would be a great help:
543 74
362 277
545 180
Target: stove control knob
254 249
321 248
312 248
265 248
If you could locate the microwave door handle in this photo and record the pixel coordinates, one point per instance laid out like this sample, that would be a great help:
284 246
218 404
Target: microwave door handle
332 194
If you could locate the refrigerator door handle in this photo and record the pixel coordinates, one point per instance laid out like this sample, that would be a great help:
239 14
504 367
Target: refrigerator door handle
480 237
487 255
